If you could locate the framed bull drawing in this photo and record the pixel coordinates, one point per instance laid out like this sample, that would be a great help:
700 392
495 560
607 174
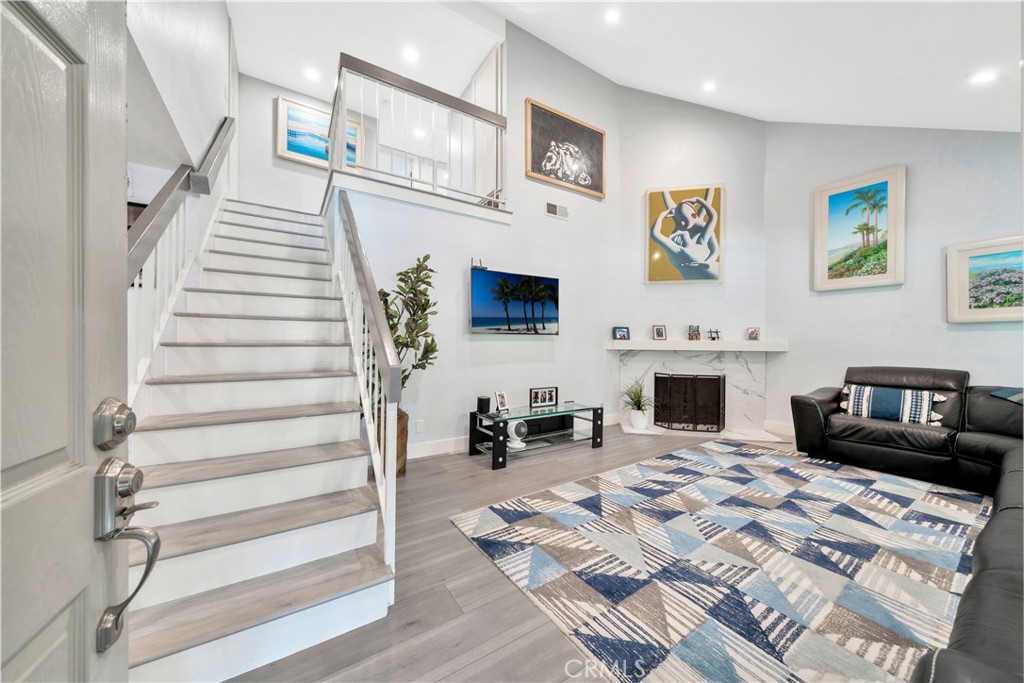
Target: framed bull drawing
563 150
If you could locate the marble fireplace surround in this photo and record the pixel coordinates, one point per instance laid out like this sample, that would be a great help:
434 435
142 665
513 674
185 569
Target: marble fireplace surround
744 372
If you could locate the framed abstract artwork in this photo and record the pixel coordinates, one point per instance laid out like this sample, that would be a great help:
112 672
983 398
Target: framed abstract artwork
564 151
858 231
684 229
302 134
985 281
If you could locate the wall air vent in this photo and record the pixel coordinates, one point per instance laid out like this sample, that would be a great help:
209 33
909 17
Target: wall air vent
556 211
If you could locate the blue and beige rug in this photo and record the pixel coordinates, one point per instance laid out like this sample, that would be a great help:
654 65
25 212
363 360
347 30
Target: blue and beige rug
733 562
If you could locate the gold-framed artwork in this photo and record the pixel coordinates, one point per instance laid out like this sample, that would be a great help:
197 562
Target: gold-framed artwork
985 281
563 150
858 231
684 228
302 134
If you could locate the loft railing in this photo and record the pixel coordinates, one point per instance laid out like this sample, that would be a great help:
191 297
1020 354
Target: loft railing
160 247
377 367
400 131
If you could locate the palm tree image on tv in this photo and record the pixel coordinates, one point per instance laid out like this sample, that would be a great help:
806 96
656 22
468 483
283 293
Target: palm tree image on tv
506 303
858 232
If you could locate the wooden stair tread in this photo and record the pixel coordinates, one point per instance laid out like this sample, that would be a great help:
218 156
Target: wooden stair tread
248 316
222 417
269 229
275 208
272 244
177 473
283 295
273 218
247 376
197 535
284 342
232 271
265 257
172 627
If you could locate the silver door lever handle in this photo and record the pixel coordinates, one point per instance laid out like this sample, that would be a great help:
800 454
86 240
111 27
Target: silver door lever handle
111 622
132 509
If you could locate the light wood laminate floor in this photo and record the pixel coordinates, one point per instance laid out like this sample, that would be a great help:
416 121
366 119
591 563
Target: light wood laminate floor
456 617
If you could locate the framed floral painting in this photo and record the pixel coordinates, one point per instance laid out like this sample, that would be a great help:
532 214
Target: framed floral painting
985 281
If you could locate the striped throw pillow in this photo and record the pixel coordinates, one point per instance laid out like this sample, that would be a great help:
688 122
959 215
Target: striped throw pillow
889 403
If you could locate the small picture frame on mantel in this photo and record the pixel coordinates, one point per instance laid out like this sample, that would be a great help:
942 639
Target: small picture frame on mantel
659 333
620 333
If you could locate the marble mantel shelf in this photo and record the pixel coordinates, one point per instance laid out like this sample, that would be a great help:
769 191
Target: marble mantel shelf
742 345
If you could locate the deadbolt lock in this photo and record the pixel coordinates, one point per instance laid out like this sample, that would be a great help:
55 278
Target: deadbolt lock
112 422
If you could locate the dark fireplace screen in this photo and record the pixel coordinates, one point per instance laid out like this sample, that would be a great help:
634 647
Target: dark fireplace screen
695 403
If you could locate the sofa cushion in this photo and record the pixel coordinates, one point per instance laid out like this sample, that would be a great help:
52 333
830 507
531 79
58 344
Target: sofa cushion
984 446
990 619
925 438
987 413
1014 460
950 383
1000 545
1009 492
891 403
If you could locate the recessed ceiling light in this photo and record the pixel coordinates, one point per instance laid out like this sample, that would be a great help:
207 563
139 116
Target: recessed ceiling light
411 54
420 133
312 74
612 16
984 77
709 86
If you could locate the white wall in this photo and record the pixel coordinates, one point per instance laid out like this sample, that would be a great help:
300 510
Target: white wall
961 186
262 176
185 47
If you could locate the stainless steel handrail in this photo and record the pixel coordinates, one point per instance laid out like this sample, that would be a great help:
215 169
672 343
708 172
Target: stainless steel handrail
149 227
373 309
416 88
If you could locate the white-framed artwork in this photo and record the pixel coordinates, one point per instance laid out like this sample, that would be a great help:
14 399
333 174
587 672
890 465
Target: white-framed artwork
858 231
985 281
302 134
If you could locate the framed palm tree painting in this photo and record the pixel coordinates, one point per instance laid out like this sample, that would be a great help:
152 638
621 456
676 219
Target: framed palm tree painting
858 231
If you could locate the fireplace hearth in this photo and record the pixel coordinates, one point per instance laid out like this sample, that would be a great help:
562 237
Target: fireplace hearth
689 402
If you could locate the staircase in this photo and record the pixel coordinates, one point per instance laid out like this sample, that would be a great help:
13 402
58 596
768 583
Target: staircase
270 533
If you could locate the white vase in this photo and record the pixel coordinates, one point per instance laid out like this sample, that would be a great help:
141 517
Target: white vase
638 419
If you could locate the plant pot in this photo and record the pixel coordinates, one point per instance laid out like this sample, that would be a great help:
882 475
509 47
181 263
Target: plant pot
638 419
401 441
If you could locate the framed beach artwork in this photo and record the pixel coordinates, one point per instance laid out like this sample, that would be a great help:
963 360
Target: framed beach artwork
564 151
683 230
985 281
302 134
858 231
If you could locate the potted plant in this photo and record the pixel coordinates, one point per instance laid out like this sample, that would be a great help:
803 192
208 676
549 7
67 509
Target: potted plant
408 309
637 402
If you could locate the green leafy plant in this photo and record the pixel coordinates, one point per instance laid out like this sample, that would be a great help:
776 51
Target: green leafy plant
634 397
408 309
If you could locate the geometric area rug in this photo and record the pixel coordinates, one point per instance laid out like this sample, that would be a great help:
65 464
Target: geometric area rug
733 562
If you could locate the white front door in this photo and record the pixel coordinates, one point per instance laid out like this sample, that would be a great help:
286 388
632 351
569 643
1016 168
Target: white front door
62 285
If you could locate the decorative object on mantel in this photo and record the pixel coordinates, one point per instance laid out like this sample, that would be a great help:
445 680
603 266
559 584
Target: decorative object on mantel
714 335
753 334
620 333
500 402
858 231
408 309
543 397
985 281
694 333
637 402
659 333
684 234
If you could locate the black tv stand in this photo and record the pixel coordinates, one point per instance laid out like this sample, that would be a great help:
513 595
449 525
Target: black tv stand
547 428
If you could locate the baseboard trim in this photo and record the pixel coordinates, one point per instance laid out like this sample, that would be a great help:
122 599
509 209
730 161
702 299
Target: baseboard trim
428 449
781 428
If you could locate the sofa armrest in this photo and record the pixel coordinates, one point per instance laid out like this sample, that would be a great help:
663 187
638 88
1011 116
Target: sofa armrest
950 666
810 419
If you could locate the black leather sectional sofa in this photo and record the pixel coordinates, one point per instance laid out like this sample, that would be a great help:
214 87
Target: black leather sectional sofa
976 445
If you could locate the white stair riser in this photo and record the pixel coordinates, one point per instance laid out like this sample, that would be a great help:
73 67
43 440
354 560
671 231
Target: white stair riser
202 397
185 575
264 265
233 494
246 650
241 329
194 443
231 206
262 249
230 228
277 224
182 360
248 304
259 283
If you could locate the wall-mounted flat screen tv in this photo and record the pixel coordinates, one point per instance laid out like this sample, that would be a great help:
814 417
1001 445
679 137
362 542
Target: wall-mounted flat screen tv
507 303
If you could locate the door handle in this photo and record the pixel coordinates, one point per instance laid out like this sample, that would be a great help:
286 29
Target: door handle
111 622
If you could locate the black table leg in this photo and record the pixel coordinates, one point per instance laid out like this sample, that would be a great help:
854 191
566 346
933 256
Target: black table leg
475 435
499 445
597 435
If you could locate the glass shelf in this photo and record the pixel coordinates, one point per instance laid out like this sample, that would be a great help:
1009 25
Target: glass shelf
525 412
566 436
